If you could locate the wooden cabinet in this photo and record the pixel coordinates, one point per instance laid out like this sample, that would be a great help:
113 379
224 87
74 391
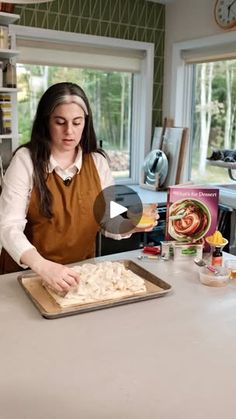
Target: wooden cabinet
8 95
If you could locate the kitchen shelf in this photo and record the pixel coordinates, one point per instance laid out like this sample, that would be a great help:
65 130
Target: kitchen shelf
8 18
8 53
8 89
8 141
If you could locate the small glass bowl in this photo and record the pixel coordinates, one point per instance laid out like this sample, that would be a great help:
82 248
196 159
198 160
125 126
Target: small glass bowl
218 279
148 218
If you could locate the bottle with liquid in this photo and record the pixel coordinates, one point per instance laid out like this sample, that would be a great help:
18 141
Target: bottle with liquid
217 256
1 122
1 73
3 37
10 74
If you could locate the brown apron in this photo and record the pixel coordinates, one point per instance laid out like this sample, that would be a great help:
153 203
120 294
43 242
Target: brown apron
69 236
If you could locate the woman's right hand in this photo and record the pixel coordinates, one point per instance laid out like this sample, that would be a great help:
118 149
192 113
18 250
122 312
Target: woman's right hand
59 277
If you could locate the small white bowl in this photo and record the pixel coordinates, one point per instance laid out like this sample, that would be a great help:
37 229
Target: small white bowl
212 279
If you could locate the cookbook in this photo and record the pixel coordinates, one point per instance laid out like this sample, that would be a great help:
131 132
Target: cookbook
192 213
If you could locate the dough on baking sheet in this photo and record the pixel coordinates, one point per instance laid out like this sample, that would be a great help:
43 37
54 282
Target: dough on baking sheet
101 281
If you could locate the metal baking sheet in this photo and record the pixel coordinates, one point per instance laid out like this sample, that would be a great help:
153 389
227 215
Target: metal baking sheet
49 309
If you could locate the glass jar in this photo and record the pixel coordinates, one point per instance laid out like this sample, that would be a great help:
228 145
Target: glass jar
7 7
1 73
1 122
10 74
3 37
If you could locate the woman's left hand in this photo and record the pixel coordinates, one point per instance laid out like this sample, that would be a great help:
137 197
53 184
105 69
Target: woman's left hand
147 228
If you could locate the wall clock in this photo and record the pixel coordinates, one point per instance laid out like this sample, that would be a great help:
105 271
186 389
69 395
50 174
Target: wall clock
225 13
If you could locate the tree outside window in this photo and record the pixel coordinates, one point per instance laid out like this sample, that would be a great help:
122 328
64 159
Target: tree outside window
213 118
109 94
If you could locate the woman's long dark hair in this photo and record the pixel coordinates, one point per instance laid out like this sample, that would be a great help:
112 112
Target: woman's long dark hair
40 142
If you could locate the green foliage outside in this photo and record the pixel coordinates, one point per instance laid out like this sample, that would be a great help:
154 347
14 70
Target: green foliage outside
220 96
109 94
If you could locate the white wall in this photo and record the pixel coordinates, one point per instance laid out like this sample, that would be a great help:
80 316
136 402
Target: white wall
185 20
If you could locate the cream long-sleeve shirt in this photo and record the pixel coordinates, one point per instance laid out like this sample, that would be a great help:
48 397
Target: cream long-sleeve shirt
15 197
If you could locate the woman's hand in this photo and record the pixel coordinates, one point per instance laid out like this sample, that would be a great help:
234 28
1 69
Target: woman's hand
145 229
142 226
59 277
150 213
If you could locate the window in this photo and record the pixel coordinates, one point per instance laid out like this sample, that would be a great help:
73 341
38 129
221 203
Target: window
109 94
117 77
213 118
203 99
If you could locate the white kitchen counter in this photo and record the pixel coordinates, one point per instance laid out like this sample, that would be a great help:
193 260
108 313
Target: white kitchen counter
147 196
173 357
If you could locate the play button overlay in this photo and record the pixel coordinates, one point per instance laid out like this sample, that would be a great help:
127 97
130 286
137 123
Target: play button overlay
118 209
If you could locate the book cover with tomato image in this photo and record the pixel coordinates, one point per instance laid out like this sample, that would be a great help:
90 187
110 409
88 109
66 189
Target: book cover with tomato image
192 213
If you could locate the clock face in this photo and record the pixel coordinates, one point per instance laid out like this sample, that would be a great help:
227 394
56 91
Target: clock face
225 13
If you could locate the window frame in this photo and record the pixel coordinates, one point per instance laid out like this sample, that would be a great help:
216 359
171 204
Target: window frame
184 54
142 95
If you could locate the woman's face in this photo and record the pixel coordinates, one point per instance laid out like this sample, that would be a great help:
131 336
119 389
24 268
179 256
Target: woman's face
66 124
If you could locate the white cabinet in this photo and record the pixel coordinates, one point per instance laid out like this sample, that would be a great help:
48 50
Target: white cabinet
8 96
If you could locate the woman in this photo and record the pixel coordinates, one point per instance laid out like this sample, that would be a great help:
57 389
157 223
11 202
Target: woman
46 206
